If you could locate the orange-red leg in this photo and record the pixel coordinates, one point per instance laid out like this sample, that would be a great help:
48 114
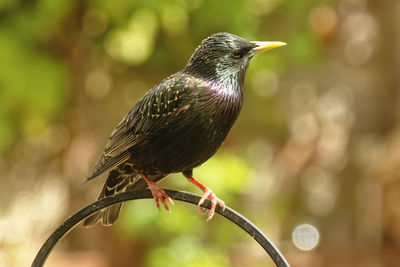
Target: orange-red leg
208 193
158 194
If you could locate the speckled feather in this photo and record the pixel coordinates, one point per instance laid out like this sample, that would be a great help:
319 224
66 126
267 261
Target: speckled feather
178 124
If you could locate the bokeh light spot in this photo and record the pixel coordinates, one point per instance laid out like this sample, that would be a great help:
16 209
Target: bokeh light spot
134 44
323 21
360 32
174 19
322 190
305 237
265 82
98 84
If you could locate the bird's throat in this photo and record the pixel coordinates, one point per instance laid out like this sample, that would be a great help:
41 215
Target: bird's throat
228 85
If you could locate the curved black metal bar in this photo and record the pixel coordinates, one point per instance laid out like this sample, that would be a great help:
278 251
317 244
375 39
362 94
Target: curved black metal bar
228 213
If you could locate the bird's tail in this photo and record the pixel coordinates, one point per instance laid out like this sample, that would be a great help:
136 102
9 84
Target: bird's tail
118 181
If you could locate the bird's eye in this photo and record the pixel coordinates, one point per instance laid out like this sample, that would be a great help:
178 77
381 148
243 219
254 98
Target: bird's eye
237 54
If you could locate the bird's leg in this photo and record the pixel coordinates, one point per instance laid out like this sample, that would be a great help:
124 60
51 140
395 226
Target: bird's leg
158 193
208 193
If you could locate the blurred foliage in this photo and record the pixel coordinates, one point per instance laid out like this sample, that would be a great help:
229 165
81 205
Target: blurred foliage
316 145
33 82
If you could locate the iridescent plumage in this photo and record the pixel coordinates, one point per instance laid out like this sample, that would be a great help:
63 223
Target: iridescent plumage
179 123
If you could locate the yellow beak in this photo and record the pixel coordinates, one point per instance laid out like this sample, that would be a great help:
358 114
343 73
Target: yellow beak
264 46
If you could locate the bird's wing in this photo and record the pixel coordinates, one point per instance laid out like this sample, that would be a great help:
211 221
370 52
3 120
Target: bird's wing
121 139
164 102
115 151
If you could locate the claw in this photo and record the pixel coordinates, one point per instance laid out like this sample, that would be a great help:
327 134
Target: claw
208 193
159 195
214 202
202 209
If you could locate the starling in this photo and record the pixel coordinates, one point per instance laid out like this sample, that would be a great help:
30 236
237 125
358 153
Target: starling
179 124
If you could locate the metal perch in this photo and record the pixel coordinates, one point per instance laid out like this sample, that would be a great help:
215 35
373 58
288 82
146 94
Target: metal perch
228 213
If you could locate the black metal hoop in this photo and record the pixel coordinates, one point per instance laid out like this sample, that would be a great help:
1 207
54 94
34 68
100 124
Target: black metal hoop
228 213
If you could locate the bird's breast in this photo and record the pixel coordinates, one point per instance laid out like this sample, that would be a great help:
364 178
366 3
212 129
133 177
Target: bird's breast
215 113
188 140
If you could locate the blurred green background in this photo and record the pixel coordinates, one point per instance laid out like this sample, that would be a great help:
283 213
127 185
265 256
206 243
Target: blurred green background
313 159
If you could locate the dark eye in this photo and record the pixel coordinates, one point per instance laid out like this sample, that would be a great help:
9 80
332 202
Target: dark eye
237 54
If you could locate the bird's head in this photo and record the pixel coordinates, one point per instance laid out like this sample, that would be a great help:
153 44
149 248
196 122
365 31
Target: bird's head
225 56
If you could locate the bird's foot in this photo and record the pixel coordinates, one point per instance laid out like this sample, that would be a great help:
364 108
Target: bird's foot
208 193
158 194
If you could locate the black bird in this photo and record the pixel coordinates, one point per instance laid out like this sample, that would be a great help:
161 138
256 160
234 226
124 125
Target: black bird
179 124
